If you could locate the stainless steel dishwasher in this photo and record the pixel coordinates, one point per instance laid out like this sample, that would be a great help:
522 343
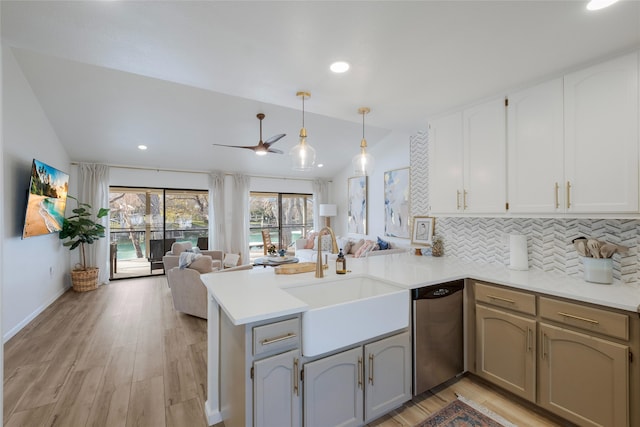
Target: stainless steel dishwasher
438 346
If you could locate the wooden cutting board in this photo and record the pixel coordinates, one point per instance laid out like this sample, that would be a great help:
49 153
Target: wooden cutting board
300 267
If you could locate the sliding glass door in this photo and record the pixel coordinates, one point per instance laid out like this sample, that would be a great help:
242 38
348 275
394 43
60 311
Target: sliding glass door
144 223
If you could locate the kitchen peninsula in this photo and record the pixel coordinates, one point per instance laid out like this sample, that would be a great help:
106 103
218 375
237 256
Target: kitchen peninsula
252 299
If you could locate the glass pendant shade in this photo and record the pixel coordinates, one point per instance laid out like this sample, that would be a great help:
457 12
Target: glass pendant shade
363 162
303 155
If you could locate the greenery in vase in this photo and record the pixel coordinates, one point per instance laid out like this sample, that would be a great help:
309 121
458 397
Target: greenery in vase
81 229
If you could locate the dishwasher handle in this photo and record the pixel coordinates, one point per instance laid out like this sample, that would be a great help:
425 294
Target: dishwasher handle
442 290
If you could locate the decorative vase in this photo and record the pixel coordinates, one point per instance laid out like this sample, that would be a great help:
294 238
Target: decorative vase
437 247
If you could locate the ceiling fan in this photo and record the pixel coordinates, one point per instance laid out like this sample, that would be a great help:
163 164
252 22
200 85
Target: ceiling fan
263 147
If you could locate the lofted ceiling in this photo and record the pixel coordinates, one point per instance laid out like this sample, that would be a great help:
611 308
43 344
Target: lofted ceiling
178 76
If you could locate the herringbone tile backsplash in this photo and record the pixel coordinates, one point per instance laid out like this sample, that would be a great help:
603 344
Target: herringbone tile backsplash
548 239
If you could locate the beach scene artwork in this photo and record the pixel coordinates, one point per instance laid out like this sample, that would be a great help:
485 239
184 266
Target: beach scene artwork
47 200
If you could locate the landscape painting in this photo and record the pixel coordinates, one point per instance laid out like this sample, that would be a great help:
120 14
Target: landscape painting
46 200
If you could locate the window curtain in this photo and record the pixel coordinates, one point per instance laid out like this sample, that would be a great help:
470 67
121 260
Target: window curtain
320 196
93 189
238 241
217 214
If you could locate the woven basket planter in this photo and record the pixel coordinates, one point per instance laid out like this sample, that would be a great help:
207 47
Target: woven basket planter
85 280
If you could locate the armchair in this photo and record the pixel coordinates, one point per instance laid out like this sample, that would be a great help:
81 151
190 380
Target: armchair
172 258
188 292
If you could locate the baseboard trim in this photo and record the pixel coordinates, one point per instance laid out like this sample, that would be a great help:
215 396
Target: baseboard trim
13 331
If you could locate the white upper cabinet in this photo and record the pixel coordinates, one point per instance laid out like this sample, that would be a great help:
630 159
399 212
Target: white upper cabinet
536 149
445 164
467 163
601 137
485 173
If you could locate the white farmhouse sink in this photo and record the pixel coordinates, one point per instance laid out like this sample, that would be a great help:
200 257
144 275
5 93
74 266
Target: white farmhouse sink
346 311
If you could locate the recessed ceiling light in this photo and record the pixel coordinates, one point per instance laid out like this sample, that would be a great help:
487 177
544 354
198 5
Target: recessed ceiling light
600 4
339 67
320 165
142 147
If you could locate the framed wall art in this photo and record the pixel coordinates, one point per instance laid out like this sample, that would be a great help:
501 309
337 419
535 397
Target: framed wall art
396 203
422 230
357 209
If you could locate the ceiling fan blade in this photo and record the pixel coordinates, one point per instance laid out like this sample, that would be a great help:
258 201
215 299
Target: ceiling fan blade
253 148
275 150
274 139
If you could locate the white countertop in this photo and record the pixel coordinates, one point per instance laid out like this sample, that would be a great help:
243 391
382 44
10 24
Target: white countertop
251 295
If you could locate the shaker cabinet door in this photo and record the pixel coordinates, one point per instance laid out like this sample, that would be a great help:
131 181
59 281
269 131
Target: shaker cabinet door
601 137
535 146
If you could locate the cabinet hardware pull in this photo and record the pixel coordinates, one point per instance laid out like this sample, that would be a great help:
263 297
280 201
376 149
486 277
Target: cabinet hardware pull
568 194
457 199
529 335
371 368
510 301
573 316
464 200
557 197
359 372
296 387
268 341
544 346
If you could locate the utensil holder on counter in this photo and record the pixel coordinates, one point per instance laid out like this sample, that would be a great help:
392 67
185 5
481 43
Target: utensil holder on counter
598 270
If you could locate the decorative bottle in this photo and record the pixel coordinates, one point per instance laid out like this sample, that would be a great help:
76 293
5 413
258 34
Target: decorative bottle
341 263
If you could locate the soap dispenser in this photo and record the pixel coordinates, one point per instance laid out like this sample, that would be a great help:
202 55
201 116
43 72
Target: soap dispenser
341 263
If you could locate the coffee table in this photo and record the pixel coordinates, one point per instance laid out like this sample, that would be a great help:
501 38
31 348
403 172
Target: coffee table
274 261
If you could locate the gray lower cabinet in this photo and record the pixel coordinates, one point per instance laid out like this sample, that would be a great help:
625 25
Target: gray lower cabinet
277 398
333 393
388 374
358 385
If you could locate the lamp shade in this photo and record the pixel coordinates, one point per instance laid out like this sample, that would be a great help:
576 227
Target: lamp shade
328 210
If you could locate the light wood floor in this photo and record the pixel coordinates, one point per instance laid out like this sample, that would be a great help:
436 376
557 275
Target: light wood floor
122 356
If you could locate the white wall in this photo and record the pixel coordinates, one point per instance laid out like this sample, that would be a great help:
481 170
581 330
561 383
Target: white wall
391 153
35 270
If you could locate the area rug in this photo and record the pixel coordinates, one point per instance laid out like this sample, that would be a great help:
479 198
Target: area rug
465 413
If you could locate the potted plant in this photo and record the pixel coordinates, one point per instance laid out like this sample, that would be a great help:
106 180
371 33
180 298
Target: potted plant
80 229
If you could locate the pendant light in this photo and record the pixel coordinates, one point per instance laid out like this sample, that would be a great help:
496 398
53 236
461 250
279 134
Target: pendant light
363 162
303 156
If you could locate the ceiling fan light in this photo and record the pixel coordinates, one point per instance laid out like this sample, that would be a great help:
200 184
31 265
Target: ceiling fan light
261 152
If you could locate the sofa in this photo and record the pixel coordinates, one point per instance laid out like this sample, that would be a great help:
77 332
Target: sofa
356 246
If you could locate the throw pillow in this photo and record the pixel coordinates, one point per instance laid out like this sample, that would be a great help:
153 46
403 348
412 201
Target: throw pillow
356 246
384 245
230 260
178 247
366 247
310 241
203 264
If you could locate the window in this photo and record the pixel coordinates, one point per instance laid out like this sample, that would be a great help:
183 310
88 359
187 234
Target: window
144 223
287 217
